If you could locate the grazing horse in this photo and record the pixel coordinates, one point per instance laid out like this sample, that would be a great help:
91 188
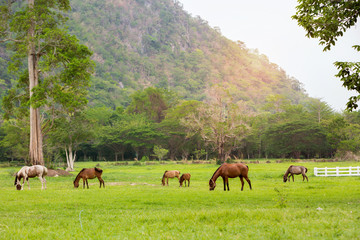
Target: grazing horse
27 172
295 170
226 171
185 177
89 173
170 174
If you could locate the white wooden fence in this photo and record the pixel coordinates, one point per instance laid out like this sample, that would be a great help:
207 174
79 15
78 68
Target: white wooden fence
337 171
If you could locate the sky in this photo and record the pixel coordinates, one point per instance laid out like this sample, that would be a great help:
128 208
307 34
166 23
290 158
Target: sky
267 26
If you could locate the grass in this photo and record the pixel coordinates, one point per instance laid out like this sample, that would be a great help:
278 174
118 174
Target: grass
134 205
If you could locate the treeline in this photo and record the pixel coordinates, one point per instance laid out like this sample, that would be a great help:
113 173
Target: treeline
157 125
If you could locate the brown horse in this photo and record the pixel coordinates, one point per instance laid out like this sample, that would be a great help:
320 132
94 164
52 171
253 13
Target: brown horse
227 171
30 172
89 173
295 170
185 177
170 174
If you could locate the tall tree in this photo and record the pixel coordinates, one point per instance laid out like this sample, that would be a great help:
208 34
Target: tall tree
327 20
221 123
71 130
58 67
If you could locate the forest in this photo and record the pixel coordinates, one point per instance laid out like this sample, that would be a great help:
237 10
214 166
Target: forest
156 83
157 125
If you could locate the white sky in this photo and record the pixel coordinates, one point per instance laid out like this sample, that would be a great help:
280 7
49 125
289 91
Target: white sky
267 26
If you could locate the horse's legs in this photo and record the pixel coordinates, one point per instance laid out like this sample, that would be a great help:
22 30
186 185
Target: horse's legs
101 182
249 182
87 183
22 185
27 180
304 176
42 180
224 181
292 177
242 182
189 183
84 183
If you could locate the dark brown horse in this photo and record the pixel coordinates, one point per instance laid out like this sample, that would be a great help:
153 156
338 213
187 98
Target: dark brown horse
89 173
170 174
185 177
295 170
226 171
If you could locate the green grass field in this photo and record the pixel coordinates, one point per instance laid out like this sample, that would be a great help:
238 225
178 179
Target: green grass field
134 205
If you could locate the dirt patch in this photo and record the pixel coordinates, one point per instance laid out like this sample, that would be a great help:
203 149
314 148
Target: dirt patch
121 184
57 172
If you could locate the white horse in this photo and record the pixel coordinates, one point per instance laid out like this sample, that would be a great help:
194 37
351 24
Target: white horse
29 172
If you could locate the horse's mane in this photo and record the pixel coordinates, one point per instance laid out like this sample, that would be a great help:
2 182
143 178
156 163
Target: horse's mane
16 178
80 172
164 174
216 170
98 170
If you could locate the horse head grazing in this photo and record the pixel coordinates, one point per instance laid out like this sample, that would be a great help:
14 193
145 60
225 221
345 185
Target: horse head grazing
89 173
76 184
212 185
230 170
170 174
285 178
27 172
295 170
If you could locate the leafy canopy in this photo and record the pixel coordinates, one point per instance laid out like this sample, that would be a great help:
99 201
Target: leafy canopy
327 20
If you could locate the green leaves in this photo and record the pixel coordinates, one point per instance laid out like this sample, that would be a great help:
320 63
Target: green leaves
327 20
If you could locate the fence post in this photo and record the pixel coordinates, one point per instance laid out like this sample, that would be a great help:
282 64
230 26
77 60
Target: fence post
315 171
337 171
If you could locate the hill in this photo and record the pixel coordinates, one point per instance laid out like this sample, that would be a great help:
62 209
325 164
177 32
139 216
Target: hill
141 43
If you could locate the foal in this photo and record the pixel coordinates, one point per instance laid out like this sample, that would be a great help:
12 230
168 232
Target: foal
185 177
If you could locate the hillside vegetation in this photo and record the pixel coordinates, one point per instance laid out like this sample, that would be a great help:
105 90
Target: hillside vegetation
142 43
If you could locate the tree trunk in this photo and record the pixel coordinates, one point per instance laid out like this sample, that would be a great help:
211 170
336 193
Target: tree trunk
70 158
36 148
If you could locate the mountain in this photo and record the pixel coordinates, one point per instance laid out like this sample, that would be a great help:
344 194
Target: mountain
141 43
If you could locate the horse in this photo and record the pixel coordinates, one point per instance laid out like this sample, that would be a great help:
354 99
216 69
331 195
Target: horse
170 174
295 170
88 173
27 172
185 177
230 170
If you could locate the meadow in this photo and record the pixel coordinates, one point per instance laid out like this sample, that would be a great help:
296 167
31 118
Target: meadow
134 205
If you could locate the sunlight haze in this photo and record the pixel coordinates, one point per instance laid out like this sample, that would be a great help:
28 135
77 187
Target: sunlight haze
268 27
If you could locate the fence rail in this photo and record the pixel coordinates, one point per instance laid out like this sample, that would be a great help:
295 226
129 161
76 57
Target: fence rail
337 171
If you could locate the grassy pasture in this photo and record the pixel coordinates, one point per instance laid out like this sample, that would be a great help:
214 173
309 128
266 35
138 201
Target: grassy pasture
134 205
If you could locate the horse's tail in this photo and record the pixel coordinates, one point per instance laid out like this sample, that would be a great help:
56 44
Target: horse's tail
306 170
98 170
164 174
247 167
45 171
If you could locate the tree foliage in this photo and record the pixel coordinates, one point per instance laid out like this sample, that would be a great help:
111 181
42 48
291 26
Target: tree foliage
327 20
